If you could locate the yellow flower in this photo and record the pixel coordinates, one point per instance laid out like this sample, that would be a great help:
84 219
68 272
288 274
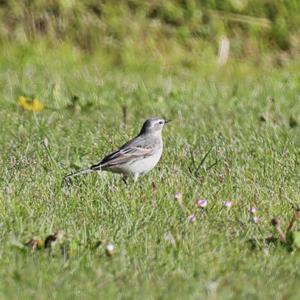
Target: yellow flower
30 105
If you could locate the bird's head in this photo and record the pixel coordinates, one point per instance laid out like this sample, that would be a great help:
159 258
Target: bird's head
154 125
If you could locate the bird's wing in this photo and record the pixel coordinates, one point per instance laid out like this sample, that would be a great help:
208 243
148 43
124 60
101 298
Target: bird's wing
128 153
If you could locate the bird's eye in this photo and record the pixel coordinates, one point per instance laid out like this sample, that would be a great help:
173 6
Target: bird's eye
161 122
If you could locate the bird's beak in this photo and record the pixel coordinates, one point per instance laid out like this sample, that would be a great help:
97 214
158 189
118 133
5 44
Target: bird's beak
167 121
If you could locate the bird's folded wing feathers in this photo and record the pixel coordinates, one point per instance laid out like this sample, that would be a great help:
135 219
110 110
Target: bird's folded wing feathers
123 156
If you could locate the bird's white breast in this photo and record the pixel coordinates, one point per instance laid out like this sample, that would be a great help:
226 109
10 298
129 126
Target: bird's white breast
146 164
140 166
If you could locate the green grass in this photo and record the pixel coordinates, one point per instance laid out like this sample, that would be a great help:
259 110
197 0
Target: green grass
254 161
163 27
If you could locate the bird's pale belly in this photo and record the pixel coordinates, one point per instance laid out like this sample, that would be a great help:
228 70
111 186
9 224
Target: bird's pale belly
140 166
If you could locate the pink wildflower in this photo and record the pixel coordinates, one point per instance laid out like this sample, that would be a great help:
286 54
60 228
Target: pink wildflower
201 203
228 204
191 218
178 196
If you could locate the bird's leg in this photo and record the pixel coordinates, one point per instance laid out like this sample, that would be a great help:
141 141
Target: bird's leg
124 178
135 177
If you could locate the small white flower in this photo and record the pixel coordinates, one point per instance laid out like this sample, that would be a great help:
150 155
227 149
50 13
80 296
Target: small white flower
109 249
169 238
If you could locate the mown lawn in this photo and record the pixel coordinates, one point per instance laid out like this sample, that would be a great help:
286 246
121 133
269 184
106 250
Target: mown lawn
245 119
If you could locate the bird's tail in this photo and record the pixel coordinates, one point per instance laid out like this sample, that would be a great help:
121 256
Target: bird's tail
81 172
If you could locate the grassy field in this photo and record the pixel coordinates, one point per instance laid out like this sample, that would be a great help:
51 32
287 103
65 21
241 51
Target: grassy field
234 137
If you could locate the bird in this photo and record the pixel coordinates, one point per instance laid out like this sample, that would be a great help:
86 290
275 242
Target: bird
136 157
